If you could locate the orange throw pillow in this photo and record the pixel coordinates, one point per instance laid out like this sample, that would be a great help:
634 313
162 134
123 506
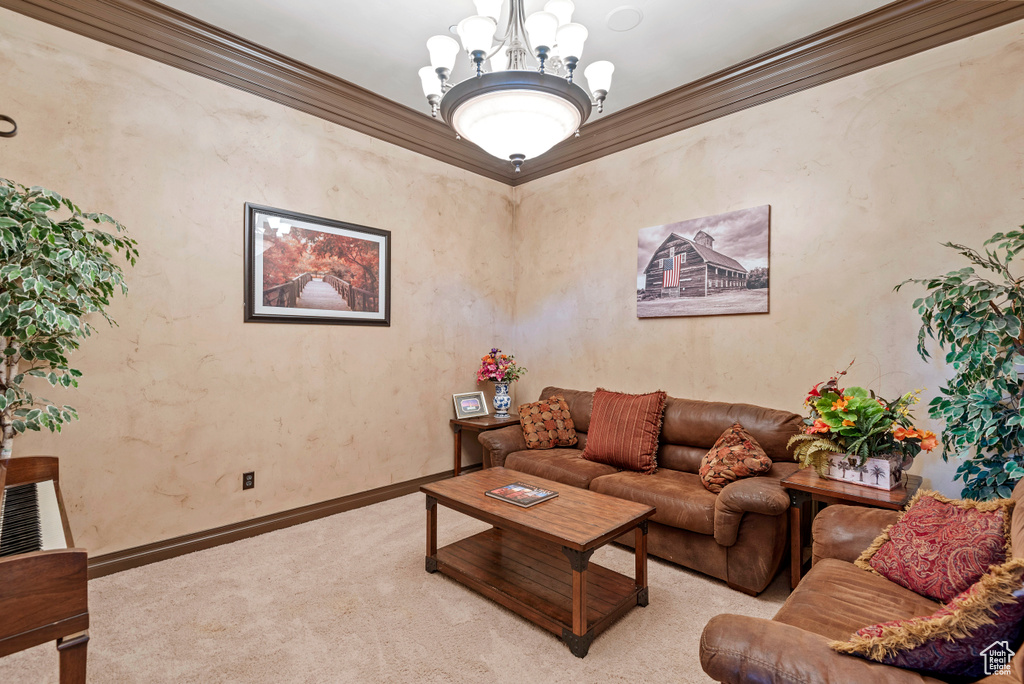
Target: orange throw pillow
624 430
547 423
736 455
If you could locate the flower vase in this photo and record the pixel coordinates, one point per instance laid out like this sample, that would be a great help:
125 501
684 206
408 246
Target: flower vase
502 401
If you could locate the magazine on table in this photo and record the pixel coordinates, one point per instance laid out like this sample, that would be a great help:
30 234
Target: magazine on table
522 494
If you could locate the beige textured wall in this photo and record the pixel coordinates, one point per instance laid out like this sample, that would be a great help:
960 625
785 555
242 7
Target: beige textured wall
183 397
865 177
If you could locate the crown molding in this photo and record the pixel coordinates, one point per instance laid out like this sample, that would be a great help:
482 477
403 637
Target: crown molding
889 33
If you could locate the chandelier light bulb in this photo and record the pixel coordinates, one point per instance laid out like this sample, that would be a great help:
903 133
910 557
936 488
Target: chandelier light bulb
570 38
477 33
443 52
489 8
562 9
542 27
599 77
430 82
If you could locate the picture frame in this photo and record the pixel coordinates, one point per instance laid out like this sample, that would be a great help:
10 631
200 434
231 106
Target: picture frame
709 266
470 405
310 269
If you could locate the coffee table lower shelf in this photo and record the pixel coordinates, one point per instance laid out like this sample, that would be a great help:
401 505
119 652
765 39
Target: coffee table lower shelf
534 579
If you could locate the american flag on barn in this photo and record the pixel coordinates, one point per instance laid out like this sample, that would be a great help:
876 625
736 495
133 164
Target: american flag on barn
670 276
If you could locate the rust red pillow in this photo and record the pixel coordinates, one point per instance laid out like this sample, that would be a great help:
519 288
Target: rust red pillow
950 642
939 547
547 423
624 430
736 455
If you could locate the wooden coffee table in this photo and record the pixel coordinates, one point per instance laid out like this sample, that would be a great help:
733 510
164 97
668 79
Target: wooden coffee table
536 561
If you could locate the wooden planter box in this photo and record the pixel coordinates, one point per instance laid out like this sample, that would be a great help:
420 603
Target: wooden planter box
877 473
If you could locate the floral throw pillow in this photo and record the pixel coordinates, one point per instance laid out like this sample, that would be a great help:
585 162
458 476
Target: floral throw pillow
950 642
939 547
736 455
547 424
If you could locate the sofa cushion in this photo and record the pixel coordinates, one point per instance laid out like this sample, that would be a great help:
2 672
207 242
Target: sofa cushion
700 424
836 598
939 547
624 430
580 404
547 424
680 457
950 641
680 498
560 465
736 455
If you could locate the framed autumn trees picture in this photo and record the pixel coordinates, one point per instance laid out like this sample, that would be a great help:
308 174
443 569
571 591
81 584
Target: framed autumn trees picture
306 269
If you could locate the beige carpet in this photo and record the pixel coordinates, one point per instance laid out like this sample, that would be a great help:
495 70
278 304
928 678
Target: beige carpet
346 599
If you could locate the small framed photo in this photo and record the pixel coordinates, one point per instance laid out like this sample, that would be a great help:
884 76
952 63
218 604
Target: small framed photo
307 269
470 405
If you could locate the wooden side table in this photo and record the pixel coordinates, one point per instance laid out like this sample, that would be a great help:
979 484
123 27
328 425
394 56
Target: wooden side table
806 485
481 424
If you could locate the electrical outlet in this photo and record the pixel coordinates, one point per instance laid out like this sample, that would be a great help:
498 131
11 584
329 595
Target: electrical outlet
248 480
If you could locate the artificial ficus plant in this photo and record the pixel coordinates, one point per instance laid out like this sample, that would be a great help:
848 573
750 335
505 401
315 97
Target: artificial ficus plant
55 270
977 320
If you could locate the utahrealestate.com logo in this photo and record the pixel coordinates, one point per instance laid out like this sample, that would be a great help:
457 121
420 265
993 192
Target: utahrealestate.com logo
997 658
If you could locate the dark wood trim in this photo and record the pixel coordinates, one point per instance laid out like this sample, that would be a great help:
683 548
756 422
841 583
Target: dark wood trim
108 564
889 33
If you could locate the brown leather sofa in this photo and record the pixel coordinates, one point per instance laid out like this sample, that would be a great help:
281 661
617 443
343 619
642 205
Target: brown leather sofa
833 600
738 535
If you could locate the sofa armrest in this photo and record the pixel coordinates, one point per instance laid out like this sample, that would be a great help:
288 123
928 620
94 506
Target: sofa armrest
843 532
500 443
762 495
736 648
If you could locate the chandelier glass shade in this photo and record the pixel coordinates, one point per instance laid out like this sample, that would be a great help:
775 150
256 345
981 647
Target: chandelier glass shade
517 110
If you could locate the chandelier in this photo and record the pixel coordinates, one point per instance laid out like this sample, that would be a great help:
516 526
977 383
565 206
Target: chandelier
513 110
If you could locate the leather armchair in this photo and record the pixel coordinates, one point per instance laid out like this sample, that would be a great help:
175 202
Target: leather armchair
833 600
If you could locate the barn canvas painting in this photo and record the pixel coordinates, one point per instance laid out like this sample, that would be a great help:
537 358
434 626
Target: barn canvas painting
704 267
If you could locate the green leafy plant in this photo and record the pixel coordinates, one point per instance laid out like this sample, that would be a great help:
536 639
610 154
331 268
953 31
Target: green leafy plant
56 270
977 321
856 422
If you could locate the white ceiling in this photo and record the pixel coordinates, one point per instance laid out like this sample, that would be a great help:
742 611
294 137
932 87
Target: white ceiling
380 44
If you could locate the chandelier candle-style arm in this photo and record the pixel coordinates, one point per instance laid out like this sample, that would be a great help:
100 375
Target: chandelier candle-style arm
443 52
516 110
477 33
542 27
599 76
570 39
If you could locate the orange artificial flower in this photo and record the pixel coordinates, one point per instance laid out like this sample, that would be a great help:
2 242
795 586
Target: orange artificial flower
901 433
819 426
928 440
848 423
840 404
